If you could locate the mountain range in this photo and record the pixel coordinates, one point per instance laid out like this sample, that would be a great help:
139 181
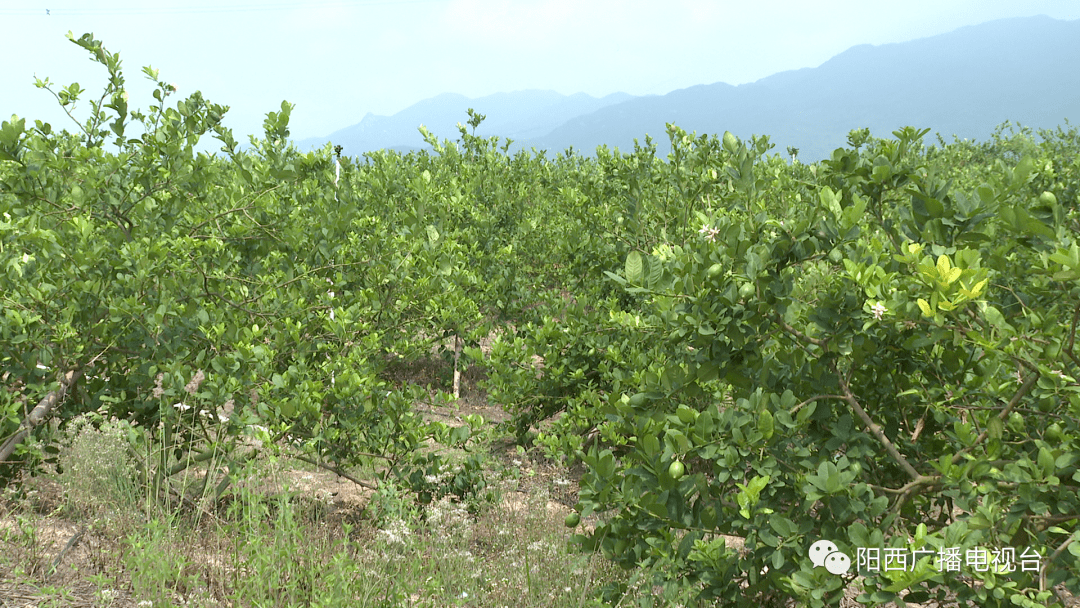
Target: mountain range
964 84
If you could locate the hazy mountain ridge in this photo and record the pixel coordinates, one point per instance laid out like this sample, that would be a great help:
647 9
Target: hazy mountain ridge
962 83
519 115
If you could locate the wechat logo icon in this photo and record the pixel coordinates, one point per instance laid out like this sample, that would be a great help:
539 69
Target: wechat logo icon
826 553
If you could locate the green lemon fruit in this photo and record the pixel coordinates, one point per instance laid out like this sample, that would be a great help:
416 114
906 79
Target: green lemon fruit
572 520
1054 432
1046 404
1016 422
1048 199
676 470
715 270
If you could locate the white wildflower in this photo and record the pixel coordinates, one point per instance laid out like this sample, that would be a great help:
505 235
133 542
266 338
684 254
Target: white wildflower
396 533
448 519
878 310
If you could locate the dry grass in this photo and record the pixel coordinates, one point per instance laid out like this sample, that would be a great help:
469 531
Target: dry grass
289 534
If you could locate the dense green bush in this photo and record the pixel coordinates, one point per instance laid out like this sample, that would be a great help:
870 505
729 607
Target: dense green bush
888 364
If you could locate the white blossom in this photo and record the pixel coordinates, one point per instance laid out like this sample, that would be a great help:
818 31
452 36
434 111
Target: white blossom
878 310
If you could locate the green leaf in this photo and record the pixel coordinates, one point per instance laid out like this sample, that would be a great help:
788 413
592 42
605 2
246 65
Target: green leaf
765 424
650 445
656 273
783 526
995 318
924 306
287 408
731 143
831 201
633 267
459 435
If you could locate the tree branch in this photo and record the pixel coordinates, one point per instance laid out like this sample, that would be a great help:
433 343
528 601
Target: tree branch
1023 390
795 410
39 413
336 470
1049 560
798 334
876 430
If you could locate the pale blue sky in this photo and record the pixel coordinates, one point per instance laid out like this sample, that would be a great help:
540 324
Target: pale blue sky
337 60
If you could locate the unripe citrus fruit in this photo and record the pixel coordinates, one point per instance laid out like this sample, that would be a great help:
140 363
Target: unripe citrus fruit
1016 422
676 470
572 520
1054 432
1048 199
